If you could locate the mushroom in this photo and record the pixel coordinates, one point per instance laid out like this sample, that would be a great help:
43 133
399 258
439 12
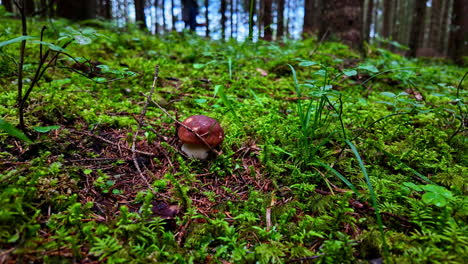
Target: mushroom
207 128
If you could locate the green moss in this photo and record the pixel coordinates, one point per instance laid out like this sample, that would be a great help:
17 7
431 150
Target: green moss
403 116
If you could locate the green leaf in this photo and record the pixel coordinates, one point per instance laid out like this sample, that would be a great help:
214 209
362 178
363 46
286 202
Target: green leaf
15 40
388 94
434 198
307 63
50 45
413 186
198 66
200 101
14 238
110 182
370 68
45 129
350 73
13 131
100 79
87 171
82 40
439 190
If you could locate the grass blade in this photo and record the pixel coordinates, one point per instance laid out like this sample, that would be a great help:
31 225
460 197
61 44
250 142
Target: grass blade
340 176
372 194
12 131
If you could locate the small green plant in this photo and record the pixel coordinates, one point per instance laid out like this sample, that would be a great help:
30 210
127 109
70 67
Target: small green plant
433 194
104 182
312 112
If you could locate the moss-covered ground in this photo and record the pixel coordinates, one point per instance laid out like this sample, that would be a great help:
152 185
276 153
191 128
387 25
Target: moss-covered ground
329 157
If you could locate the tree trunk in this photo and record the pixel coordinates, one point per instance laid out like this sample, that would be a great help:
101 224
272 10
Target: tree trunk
408 21
424 38
445 31
267 20
280 32
223 18
8 5
459 26
416 29
207 20
28 7
140 13
375 17
368 24
231 18
104 9
76 10
236 20
344 20
126 11
163 15
387 18
107 9
260 17
251 18
317 15
173 16
308 26
396 21
435 25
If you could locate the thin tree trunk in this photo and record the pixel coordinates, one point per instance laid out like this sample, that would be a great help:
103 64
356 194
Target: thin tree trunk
308 26
223 18
260 16
396 22
231 18
251 18
207 20
104 8
140 13
29 7
127 19
387 18
156 23
108 9
416 30
436 16
280 32
459 28
376 18
173 17
267 20
163 14
368 24
425 28
444 34
409 21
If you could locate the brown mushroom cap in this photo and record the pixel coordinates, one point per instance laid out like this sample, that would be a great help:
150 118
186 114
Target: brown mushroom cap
207 127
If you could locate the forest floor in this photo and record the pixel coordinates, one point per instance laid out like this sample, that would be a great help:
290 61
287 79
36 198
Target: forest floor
328 157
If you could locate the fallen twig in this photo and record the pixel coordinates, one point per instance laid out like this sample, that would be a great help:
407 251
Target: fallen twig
112 143
140 122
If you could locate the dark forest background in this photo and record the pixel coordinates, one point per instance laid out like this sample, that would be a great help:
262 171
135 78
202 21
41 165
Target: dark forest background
432 28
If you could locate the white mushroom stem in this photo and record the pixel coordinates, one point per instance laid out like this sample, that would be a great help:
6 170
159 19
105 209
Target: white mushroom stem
195 151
